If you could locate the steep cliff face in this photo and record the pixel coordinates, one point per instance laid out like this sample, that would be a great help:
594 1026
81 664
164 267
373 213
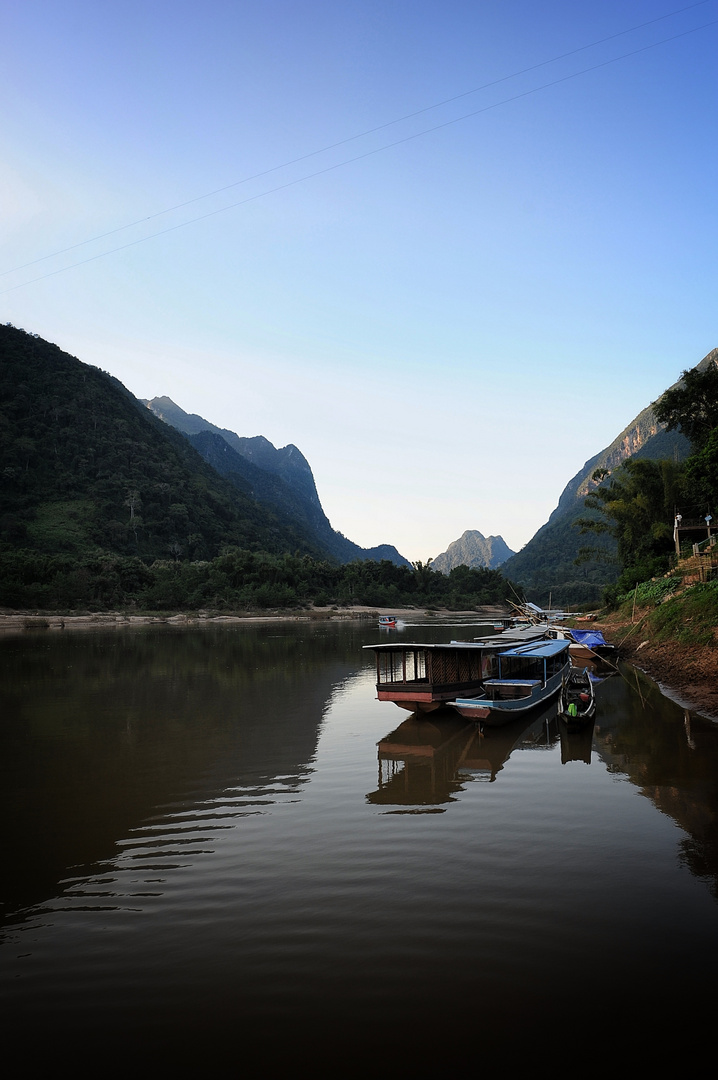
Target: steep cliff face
474 550
548 561
279 478
287 462
643 437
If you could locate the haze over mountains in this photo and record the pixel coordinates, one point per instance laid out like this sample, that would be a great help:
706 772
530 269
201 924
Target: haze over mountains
473 549
280 478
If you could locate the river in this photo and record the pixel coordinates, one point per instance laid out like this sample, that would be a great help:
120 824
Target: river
218 843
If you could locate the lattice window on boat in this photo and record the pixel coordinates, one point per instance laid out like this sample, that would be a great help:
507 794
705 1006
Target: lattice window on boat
387 666
416 666
391 667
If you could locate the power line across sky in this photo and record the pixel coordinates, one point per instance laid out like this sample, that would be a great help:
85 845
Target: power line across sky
363 134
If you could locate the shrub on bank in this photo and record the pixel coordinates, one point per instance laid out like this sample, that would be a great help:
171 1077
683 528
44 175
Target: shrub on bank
691 618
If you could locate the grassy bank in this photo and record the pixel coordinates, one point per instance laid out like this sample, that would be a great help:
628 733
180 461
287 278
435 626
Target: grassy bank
671 632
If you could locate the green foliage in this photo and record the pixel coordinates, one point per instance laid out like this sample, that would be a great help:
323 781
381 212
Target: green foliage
651 592
702 474
692 406
548 568
237 579
636 506
85 468
690 618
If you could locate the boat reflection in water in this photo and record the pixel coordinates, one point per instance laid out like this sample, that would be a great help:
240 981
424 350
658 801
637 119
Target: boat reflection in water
419 761
425 763
576 742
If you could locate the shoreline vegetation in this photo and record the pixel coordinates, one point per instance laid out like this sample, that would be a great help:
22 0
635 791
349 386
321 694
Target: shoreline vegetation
237 580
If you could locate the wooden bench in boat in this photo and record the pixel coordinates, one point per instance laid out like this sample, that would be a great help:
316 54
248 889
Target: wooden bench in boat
506 689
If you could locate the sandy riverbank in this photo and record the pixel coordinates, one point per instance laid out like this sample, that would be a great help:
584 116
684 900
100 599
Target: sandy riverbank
28 620
686 673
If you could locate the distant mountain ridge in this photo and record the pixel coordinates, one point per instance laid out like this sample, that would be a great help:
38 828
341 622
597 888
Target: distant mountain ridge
547 564
474 550
281 479
288 463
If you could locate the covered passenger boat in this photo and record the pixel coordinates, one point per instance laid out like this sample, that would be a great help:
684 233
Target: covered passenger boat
424 677
589 644
421 677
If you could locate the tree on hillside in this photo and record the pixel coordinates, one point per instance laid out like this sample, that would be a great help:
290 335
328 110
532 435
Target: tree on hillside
691 406
702 475
636 506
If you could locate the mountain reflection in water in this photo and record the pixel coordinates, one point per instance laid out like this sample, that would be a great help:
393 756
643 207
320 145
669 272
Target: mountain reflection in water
192 864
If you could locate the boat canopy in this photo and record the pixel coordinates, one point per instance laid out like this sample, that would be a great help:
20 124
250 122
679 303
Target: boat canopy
401 646
539 650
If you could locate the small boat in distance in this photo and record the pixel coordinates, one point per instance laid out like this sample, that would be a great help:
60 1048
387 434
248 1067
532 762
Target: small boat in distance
528 675
577 700
387 621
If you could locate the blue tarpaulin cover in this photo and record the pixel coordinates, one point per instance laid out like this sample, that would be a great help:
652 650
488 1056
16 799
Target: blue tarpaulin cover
592 638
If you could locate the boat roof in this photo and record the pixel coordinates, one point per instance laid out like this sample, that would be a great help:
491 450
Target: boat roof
500 642
398 646
538 649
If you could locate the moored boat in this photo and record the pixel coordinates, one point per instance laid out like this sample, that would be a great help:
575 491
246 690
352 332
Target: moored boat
422 677
585 644
527 675
577 699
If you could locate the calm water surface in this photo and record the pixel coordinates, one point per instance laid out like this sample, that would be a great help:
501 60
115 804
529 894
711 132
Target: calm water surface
216 839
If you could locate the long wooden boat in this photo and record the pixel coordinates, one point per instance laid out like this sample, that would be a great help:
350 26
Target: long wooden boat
577 700
527 676
422 677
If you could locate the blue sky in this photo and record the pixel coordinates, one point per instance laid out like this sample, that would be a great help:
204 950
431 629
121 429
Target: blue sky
447 327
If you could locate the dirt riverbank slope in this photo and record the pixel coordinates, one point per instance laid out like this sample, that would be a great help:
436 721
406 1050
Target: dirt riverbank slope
688 673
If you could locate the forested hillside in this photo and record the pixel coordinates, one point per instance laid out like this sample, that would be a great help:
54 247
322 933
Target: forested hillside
86 468
104 506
